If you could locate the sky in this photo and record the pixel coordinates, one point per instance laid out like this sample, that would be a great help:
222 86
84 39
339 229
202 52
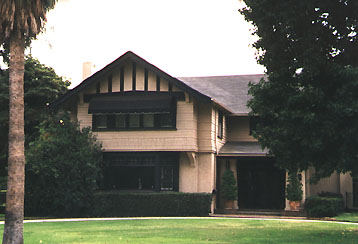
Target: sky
181 37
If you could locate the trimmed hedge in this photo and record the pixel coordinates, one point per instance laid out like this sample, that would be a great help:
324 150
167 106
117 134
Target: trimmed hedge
324 205
119 204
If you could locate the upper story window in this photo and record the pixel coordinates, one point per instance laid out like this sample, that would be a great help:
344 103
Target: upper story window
220 125
133 111
118 122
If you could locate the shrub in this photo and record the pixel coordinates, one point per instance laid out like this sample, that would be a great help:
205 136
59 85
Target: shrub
330 194
62 167
294 188
117 204
318 206
228 185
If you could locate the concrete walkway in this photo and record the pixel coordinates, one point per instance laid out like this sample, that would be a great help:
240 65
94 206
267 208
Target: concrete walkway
213 217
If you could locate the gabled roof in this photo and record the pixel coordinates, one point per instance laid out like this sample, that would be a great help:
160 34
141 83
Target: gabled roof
229 91
129 56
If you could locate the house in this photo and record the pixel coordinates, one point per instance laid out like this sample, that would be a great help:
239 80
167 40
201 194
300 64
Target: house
161 133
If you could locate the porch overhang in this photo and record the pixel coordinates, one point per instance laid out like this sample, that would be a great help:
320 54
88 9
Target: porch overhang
232 149
132 103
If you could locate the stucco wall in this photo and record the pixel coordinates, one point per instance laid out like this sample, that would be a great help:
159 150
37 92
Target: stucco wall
329 184
346 188
198 175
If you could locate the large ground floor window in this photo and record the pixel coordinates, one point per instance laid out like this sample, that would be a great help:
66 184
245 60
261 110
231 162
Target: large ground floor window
157 171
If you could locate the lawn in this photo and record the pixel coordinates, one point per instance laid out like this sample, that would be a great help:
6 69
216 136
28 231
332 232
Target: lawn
210 230
351 217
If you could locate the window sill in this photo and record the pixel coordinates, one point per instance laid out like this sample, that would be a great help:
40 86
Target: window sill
134 129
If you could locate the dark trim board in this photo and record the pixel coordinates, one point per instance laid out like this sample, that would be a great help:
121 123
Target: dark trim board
179 96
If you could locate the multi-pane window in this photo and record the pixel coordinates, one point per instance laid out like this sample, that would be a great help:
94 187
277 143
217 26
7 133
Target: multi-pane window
148 120
101 121
141 171
133 121
120 121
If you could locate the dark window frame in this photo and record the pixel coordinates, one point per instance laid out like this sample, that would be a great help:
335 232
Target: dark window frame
121 79
98 88
111 123
145 79
134 76
158 160
109 84
158 83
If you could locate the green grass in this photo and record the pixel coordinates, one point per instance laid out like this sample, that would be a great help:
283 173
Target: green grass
351 217
190 231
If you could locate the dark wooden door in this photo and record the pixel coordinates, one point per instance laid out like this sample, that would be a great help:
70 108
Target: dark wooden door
260 184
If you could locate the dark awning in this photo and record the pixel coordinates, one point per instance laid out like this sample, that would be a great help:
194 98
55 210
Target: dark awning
134 103
242 149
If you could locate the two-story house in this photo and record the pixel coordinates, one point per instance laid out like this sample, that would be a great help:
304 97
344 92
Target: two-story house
161 133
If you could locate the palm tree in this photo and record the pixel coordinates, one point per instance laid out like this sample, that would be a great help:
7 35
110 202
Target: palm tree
20 21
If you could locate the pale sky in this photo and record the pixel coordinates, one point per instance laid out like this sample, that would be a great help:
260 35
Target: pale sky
181 37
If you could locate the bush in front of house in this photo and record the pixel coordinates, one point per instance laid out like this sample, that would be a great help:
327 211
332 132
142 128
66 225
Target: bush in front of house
62 167
324 205
228 185
145 204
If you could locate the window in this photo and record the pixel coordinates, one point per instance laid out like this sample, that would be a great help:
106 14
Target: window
167 178
148 120
165 120
101 121
220 125
120 121
141 171
134 110
134 121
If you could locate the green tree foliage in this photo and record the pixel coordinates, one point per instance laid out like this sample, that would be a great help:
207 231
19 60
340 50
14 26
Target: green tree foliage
42 86
62 169
228 185
308 106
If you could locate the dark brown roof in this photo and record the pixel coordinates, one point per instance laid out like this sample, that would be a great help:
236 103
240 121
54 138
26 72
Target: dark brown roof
229 91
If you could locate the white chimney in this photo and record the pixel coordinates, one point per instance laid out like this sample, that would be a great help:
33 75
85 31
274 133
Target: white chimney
88 68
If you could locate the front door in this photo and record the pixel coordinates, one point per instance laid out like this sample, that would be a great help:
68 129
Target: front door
261 185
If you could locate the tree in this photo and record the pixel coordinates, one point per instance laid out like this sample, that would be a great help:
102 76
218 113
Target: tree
20 20
308 106
41 86
62 168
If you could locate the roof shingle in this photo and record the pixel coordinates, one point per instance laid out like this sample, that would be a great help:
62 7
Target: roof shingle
230 91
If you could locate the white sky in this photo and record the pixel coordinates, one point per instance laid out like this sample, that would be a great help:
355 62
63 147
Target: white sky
181 37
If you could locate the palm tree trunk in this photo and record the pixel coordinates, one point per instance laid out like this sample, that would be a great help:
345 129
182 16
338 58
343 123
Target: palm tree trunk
14 214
